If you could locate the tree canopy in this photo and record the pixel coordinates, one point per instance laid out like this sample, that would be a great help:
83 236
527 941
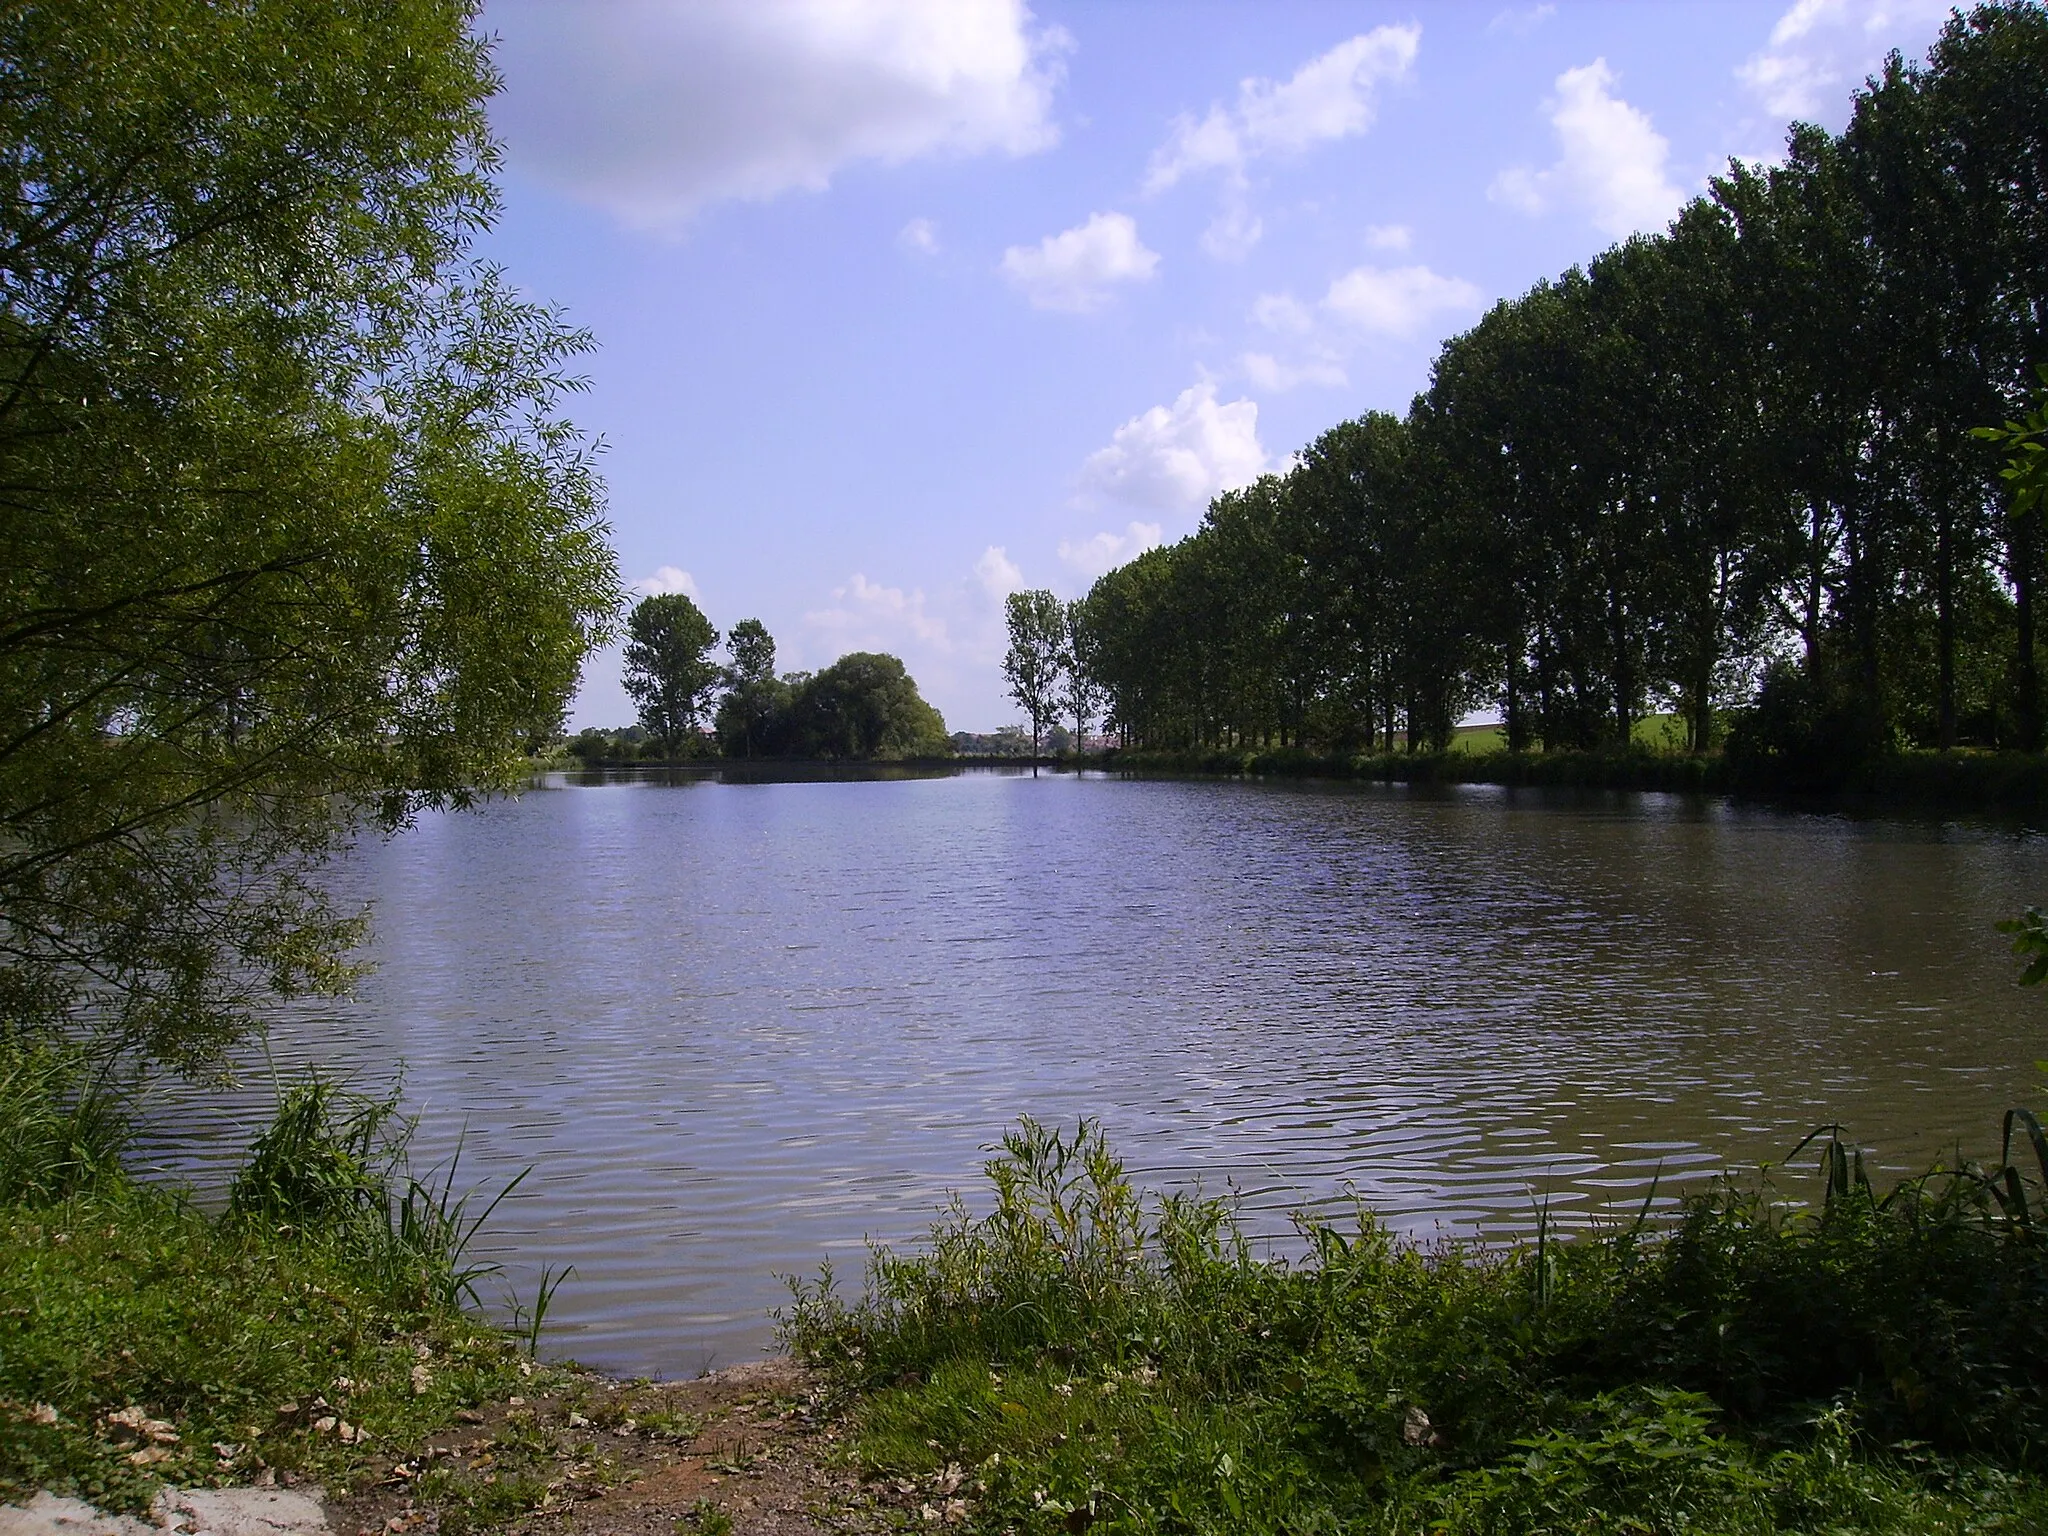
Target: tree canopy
669 671
753 696
291 528
864 706
1038 658
1729 463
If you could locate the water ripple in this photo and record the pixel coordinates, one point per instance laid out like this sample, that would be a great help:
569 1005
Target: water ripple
741 1027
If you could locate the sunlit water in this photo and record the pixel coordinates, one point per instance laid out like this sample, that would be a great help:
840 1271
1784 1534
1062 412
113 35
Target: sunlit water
738 1028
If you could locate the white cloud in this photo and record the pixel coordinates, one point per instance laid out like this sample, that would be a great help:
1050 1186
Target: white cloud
1104 552
1367 302
1611 162
998 573
1397 301
920 235
1234 231
1075 269
1283 312
868 616
1820 50
1520 23
654 108
1269 373
1389 237
1333 96
1175 458
667 581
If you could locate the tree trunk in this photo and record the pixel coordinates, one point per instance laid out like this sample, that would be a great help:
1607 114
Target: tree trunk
1863 618
2025 675
1624 673
1945 627
1513 717
1815 561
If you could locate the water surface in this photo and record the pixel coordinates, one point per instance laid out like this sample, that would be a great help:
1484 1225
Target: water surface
741 1027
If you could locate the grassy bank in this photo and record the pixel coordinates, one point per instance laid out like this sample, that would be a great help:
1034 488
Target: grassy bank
1948 780
1087 1357
315 1326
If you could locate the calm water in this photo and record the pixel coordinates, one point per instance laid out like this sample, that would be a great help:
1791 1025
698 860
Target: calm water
738 1028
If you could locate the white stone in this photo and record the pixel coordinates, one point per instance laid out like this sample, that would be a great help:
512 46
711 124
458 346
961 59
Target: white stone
240 1512
48 1515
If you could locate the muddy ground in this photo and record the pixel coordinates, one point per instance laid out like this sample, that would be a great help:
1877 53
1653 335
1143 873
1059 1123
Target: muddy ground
753 1445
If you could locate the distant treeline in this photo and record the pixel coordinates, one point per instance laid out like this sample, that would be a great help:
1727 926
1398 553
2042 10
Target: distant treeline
863 707
1732 464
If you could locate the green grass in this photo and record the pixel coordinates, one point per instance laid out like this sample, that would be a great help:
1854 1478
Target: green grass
1084 1357
327 1295
60 1128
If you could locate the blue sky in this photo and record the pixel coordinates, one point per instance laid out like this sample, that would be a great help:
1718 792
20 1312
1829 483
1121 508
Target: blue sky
903 304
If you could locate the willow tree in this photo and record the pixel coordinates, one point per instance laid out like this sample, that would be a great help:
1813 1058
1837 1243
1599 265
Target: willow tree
292 534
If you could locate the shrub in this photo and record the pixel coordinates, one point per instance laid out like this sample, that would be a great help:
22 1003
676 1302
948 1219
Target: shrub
1107 1356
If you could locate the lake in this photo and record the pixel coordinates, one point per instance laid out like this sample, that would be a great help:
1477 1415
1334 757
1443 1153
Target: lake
740 1027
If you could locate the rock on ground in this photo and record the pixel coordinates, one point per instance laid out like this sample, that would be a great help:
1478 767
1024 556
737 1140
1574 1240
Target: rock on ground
189 1512
755 1444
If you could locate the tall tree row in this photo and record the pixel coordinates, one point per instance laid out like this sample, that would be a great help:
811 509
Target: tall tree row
1732 463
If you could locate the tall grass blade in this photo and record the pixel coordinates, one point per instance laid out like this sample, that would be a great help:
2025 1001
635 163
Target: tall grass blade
2025 1117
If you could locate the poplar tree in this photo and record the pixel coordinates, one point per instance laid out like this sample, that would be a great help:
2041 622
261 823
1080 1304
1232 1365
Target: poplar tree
1036 661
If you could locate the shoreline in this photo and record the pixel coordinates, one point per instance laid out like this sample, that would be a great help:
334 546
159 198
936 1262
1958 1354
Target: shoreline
1965 779
1998 782
749 1448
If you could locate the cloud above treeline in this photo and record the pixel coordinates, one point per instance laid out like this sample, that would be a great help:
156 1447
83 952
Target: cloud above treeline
652 109
1611 162
1310 343
1333 96
1078 269
1103 552
866 615
1174 458
1820 50
667 581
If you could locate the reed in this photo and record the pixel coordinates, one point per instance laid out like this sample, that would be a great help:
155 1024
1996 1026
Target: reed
61 1126
333 1165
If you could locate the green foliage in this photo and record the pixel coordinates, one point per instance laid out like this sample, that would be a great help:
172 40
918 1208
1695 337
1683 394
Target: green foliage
1081 695
226 1344
706 1517
1730 455
61 1129
294 530
1808 730
332 1165
863 707
595 747
1039 656
129 1296
669 670
753 699
2030 942
1097 1357
753 654
321 1164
